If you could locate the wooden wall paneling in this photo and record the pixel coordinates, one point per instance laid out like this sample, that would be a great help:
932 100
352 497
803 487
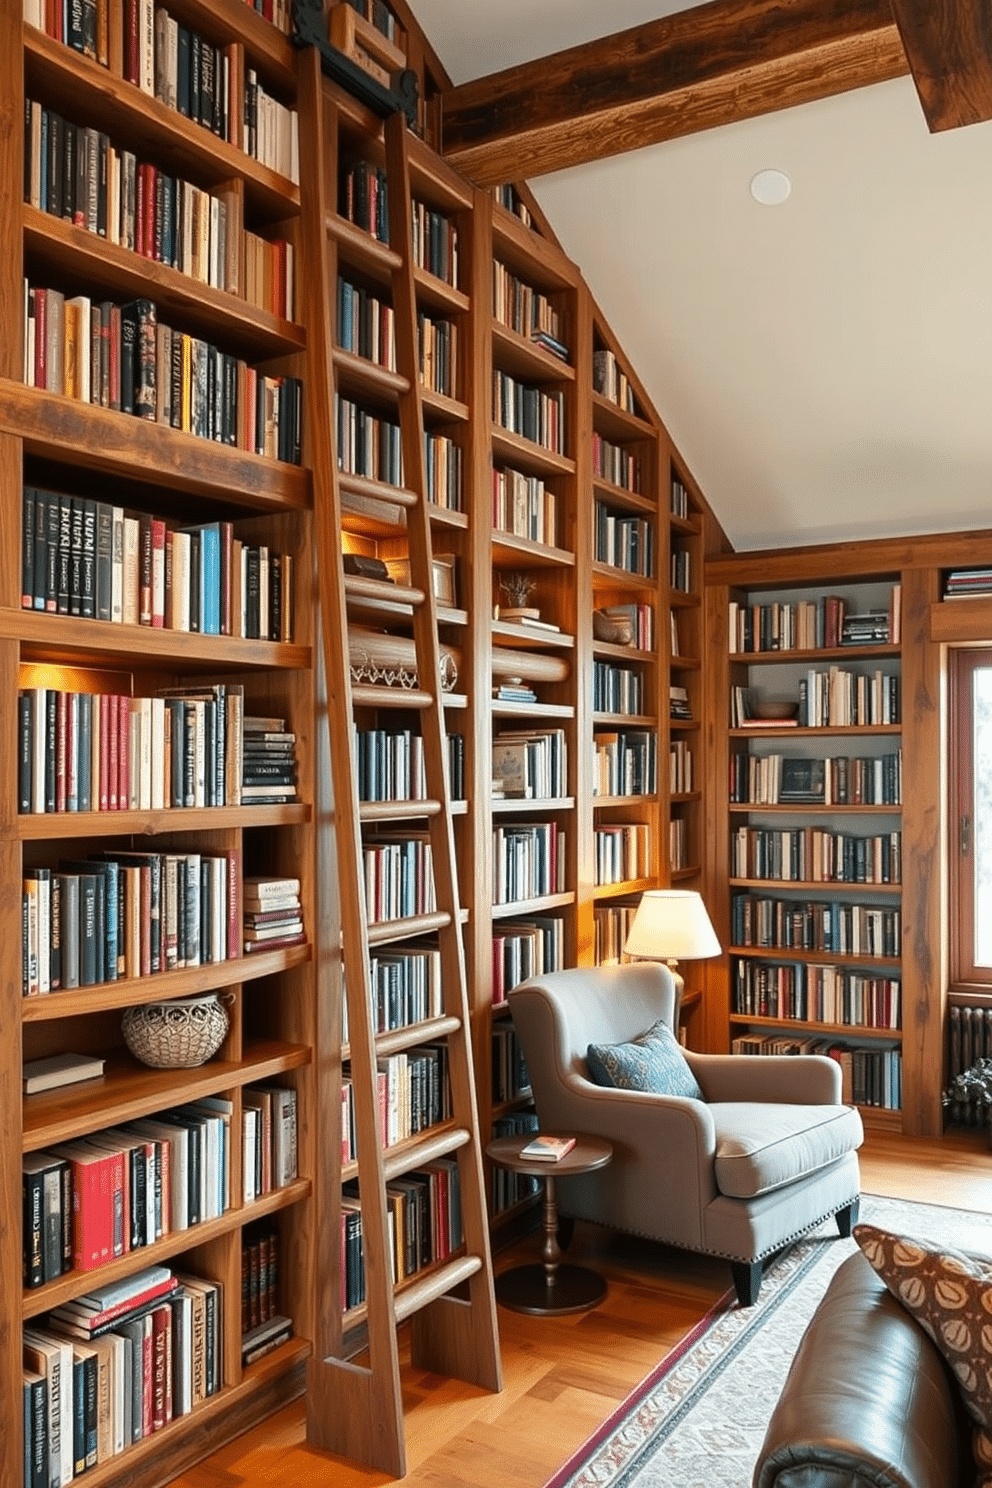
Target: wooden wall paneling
924 959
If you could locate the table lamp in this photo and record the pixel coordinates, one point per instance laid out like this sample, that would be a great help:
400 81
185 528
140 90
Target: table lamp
672 925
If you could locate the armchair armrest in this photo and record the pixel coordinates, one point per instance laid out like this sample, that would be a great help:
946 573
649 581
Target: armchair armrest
792 1079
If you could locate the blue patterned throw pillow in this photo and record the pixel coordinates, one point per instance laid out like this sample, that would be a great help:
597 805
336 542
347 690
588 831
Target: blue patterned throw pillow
652 1062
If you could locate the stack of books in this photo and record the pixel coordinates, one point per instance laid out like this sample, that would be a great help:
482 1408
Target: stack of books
273 914
961 583
268 762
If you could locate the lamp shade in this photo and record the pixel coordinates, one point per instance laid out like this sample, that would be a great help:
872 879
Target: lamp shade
672 925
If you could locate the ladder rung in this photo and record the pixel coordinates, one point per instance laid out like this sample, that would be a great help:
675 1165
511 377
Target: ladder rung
382 931
398 1039
374 490
421 1293
380 590
423 1150
368 370
371 695
384 811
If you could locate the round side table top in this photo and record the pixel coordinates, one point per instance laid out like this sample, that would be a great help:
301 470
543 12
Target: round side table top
587 1154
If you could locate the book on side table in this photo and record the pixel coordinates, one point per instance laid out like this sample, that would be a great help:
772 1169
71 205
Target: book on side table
548 1149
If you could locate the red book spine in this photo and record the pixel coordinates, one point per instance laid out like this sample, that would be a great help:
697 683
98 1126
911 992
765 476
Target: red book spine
105 751
124 755
158 572
86 1216
72 747
145 571
112 747
161 1326
148 1377
40 338
105 1179
234 908
131 42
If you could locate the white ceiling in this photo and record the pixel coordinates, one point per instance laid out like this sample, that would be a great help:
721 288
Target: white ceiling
825 366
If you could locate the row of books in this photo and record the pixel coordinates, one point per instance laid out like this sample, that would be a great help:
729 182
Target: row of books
124 357
260 1265
398 874
523 950
530 764
91 1201
443 458
524 506
532 412
366 324
824 926
617 689
626 763
775 779
811 624
128 914
826 994
425 1226
615 463
412 1094
364 200
869 1077
507 197
508 1189
391 765
622 852
960 583
679 500
611 381
522 308
680 771
611 926
837 698
405 987
437 354
510 1079
73 171
378 14
84 751
367 444
268 1139
812 855
624 541
280 13
89 558
91 1392
528 861
268 762
680 570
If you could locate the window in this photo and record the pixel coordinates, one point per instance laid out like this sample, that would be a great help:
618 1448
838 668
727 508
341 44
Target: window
971 817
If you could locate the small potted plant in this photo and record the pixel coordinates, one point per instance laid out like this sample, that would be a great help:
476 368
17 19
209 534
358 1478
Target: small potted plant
972 1089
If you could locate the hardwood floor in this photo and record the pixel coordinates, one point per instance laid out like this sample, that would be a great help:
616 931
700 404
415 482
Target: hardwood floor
563 1377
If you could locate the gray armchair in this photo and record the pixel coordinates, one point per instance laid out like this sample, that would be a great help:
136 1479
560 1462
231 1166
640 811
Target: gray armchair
765 1156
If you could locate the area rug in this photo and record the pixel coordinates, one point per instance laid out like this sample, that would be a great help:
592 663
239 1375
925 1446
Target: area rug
699 1419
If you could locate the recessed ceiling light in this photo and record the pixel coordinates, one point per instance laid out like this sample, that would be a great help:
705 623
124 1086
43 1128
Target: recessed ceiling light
770 187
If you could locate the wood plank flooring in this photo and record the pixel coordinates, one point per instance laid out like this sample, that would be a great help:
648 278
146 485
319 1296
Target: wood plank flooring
564 1376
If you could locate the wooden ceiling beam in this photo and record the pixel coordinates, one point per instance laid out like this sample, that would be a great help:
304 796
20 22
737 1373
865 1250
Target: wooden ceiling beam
701 68
949 47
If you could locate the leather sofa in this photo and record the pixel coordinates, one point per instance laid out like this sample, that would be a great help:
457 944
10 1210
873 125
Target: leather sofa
869 1402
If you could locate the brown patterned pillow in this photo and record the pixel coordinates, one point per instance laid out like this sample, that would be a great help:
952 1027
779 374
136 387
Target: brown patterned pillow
950 1296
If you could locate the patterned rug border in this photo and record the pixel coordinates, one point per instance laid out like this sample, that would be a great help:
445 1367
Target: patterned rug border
794 1264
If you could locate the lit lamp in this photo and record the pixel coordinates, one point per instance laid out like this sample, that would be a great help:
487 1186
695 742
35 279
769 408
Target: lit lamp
672 925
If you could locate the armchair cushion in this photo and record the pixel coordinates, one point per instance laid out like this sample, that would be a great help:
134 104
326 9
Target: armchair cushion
652 1062
761 1147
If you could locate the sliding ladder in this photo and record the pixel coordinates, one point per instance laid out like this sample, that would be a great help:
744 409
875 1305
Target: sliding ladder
356 1409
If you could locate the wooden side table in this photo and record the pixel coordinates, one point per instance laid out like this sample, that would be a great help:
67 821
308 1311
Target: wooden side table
553 1286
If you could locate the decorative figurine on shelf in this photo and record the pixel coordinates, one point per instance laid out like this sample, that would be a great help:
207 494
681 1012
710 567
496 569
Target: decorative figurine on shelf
969 1095
518 587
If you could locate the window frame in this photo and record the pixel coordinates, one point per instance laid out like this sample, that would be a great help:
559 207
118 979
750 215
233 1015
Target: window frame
965 976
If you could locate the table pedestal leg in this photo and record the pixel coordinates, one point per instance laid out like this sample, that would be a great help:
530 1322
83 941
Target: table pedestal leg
550 1287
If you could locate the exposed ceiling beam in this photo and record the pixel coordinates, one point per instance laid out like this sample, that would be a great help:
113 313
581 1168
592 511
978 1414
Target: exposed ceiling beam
949 46
715 64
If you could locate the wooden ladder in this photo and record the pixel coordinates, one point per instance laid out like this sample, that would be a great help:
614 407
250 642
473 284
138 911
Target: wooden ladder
356 1409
